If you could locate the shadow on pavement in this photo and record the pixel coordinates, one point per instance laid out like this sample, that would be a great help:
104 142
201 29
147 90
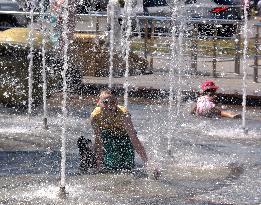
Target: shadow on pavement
36 162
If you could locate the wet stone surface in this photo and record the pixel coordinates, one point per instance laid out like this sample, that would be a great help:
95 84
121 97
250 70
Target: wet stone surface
211 162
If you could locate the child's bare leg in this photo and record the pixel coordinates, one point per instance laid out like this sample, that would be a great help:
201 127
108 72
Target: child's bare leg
193 108
214 112
230 114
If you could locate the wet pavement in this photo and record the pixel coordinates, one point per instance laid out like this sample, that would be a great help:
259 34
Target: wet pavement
189 80
212 161
229 84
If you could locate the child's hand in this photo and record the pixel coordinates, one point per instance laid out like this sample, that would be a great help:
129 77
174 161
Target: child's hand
156 174
153 171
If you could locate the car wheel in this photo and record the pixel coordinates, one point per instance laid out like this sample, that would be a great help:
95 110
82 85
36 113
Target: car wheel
7 22
5 25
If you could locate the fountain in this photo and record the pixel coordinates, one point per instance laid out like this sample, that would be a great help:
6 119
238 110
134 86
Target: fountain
128 23
30 57
203 161
65 39
43 30
112 19
244 66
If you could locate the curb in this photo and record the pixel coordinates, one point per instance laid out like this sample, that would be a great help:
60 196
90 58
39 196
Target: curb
162 94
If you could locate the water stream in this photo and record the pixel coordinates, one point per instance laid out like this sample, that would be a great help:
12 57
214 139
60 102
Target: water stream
174 59
244 86
64 101
128 13
44 41
30 58
213 162
111 24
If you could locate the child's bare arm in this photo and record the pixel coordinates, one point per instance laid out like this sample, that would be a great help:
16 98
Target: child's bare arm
98 145
139 148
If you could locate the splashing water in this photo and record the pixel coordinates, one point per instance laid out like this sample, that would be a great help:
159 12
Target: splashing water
43 31
64 108
171 73
138 29
111 16
128 12
30 57
244 86
202 157
180 58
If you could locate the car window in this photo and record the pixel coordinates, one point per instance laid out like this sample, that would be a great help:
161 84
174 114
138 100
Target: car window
190 1
220 2
227 2
9 7
154 3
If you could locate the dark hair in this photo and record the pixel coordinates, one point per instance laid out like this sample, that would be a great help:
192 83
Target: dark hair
206 92
110 91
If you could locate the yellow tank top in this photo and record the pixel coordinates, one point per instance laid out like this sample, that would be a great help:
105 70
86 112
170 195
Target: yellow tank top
113 123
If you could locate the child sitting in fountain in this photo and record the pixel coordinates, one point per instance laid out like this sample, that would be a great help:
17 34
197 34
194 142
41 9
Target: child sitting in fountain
206 105
115 136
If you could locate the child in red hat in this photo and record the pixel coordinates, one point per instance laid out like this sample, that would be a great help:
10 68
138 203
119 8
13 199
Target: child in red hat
206 105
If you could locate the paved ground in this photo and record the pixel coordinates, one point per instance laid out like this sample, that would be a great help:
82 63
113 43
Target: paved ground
229 82
213 162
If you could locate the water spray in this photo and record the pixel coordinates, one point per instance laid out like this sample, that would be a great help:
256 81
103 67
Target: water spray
128 11
43 30
244 86
111 13
65 39
30 58
172 77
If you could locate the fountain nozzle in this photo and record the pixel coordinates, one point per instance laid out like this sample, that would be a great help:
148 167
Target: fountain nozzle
45 123
245 130
62 193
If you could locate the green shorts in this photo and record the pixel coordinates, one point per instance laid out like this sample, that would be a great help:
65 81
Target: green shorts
118 151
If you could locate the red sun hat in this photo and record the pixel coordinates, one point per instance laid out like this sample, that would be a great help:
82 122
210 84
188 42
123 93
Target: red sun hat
208 84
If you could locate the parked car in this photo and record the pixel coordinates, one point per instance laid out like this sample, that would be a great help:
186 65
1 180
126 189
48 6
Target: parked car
11 19
86 6
226 13
215 17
